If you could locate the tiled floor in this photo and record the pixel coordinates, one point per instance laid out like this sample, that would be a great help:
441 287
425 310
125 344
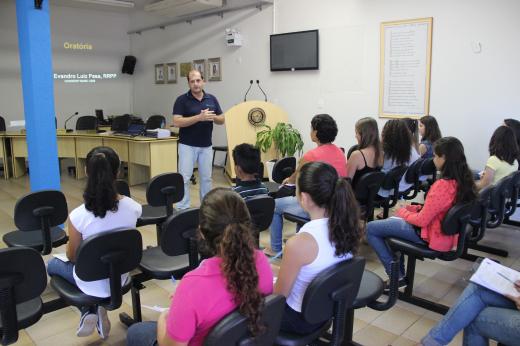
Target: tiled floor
402 325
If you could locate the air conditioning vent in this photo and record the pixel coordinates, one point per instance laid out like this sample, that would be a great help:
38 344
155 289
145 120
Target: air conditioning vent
177 8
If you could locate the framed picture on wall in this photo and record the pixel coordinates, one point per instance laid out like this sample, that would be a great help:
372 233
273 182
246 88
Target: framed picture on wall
159 74
214 69
185 68
171 76
200 65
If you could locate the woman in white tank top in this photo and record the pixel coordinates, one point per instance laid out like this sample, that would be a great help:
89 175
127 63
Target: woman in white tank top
330 237
104 210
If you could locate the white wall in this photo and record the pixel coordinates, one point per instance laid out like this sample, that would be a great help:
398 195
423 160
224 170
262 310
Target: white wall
470 93
105 31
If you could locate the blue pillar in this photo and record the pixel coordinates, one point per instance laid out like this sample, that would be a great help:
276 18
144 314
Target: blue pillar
34 41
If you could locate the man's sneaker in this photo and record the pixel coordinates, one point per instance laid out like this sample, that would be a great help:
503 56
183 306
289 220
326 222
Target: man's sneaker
103 323
87 323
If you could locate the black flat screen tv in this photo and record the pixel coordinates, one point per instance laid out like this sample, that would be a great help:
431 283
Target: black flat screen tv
295 51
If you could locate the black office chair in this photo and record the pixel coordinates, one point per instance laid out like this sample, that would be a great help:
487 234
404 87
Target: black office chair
455 222
233 330
391 182
429 170
177 255
155 122
282 169
261 209
413 176
2 124
106 255
162 192
222 148
499 197
37 216
22 280
351 150
514 191
326 300
120 123
86 122
366 190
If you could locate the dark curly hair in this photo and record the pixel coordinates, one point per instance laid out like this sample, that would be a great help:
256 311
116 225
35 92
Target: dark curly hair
413 126
225 224
503 144
397 141
325 127
100 194
456 167
321 181
368 132
431 128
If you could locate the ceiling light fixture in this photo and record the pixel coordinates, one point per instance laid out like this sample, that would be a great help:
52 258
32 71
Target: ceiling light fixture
117 3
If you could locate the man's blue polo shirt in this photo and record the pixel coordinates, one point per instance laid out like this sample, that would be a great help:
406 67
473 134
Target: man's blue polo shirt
198 134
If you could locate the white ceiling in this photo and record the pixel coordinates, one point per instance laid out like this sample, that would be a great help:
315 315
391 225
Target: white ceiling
139 5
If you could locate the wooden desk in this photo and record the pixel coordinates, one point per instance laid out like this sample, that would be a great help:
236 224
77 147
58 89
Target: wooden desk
5 156
146 157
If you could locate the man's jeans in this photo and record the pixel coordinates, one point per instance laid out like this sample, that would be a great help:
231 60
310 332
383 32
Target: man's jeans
483 314
142 334
283 205
188 155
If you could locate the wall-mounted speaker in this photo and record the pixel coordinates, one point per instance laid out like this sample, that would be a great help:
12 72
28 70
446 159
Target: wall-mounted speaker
129 64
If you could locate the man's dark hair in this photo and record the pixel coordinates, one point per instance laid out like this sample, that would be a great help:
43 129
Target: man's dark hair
247 157
325 127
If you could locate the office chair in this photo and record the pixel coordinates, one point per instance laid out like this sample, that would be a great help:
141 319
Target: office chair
86 122
23 279
233 329
175 256
106 255
2 124
155 122
38 216
261 209
326 300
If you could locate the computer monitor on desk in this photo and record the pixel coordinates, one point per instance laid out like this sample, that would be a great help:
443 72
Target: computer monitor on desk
100 118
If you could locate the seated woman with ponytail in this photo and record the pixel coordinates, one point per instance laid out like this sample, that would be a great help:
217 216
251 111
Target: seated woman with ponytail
330 237
422 224
233 275
103 210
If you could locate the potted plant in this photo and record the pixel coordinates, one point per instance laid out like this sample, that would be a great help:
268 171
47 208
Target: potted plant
286 139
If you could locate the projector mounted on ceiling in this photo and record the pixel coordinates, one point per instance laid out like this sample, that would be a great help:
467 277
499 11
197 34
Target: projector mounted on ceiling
178 8
116 3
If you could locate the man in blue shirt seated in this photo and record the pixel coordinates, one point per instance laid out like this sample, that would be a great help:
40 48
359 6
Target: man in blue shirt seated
194 114
247 166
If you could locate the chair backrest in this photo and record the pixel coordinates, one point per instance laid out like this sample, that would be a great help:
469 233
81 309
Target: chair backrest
339 282
41 210
2 124
414 171
393 177
351 150
165 190
121 123
514 190
108 255
22 278
179 233
457 218
123 188
368 185
233 329
87 122
501 192
155 122
261 209
283 168
428 167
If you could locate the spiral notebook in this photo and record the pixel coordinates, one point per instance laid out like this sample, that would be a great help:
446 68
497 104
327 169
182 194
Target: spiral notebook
496 277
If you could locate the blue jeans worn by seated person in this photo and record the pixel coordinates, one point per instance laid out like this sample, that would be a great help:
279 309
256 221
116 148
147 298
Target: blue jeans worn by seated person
378 231
188 155
483 314
283 205
142 334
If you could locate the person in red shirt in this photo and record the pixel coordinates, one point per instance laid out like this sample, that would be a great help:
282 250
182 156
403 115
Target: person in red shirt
323 132
422 224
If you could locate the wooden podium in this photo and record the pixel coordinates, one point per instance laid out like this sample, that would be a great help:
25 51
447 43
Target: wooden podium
240 130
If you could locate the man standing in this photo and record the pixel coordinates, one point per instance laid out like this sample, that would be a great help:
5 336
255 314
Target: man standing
194 114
